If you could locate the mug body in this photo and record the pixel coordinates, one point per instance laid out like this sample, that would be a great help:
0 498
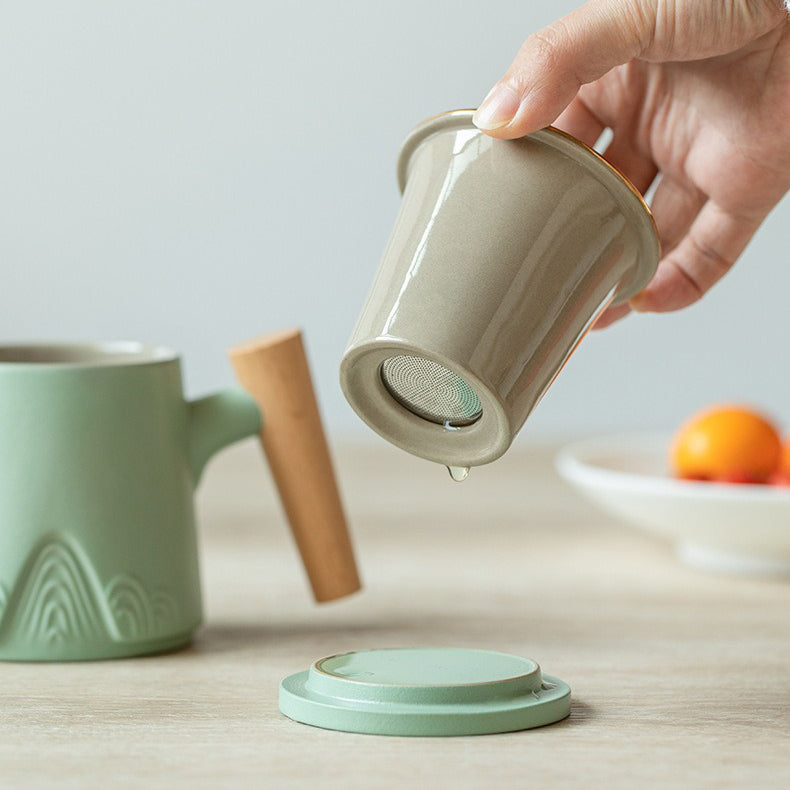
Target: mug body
503 254
98 549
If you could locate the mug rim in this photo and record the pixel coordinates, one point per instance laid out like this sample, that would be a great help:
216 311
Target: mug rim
76 355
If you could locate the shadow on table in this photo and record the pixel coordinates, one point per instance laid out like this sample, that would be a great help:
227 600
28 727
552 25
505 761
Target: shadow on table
581 713
244 636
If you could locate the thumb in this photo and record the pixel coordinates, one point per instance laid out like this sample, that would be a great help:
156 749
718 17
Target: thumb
555 62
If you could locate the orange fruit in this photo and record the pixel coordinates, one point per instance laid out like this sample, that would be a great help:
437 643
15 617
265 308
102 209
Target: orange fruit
729 443
785 465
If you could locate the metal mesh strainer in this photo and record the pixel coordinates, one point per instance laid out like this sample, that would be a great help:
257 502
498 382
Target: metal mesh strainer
430 390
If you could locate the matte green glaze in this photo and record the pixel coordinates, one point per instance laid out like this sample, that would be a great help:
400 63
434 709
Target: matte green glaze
425 691
101 455
502 255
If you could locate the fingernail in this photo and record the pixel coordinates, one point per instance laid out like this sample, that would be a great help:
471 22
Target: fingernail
498 108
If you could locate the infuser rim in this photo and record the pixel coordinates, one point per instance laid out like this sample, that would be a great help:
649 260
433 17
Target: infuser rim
57 354
619 186
426 128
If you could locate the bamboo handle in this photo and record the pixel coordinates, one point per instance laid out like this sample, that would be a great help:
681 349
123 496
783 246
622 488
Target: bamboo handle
274 370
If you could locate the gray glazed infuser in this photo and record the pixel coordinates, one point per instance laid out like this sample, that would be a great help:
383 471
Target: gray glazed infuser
503 254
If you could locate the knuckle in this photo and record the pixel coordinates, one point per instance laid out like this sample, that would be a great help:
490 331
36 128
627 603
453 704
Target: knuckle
714 260
543 52
641 21
686 288
549 43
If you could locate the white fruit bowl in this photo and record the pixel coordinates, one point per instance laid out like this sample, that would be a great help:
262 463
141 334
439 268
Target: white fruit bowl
717 526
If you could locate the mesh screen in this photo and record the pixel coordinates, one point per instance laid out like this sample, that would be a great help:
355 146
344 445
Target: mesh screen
430 390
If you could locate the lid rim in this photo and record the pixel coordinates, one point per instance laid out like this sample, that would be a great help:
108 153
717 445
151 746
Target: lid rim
316 666
527 712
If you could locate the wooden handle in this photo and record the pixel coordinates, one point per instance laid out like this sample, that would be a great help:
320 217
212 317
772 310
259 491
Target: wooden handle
274 370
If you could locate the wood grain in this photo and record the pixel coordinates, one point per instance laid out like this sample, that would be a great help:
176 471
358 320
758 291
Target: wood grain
275 371
680 679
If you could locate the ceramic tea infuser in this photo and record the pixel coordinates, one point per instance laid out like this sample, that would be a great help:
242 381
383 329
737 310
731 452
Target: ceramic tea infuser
503 254
101 455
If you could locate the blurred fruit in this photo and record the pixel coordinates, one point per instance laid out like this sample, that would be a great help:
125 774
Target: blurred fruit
739 479
782 476
728 443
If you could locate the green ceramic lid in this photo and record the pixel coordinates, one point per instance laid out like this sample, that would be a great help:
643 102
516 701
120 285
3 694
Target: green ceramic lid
425 691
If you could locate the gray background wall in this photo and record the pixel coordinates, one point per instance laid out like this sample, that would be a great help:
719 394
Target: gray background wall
196 173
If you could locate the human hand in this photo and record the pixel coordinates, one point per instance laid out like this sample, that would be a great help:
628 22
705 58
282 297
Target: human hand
698 92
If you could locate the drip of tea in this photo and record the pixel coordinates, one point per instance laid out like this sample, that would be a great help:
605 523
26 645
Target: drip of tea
458 473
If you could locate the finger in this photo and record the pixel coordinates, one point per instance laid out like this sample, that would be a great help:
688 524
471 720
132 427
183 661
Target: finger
675 206
623 155
610 315
555 62
704 255
580 121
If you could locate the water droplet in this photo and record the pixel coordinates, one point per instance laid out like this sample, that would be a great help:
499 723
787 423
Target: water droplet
458 473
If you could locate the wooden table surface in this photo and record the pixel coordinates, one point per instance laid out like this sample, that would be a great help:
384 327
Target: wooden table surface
680 679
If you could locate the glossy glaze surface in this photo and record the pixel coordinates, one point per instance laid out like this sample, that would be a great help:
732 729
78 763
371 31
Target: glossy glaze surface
501 256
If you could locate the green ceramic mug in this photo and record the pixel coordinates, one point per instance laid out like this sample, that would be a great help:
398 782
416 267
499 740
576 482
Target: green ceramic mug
100 457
